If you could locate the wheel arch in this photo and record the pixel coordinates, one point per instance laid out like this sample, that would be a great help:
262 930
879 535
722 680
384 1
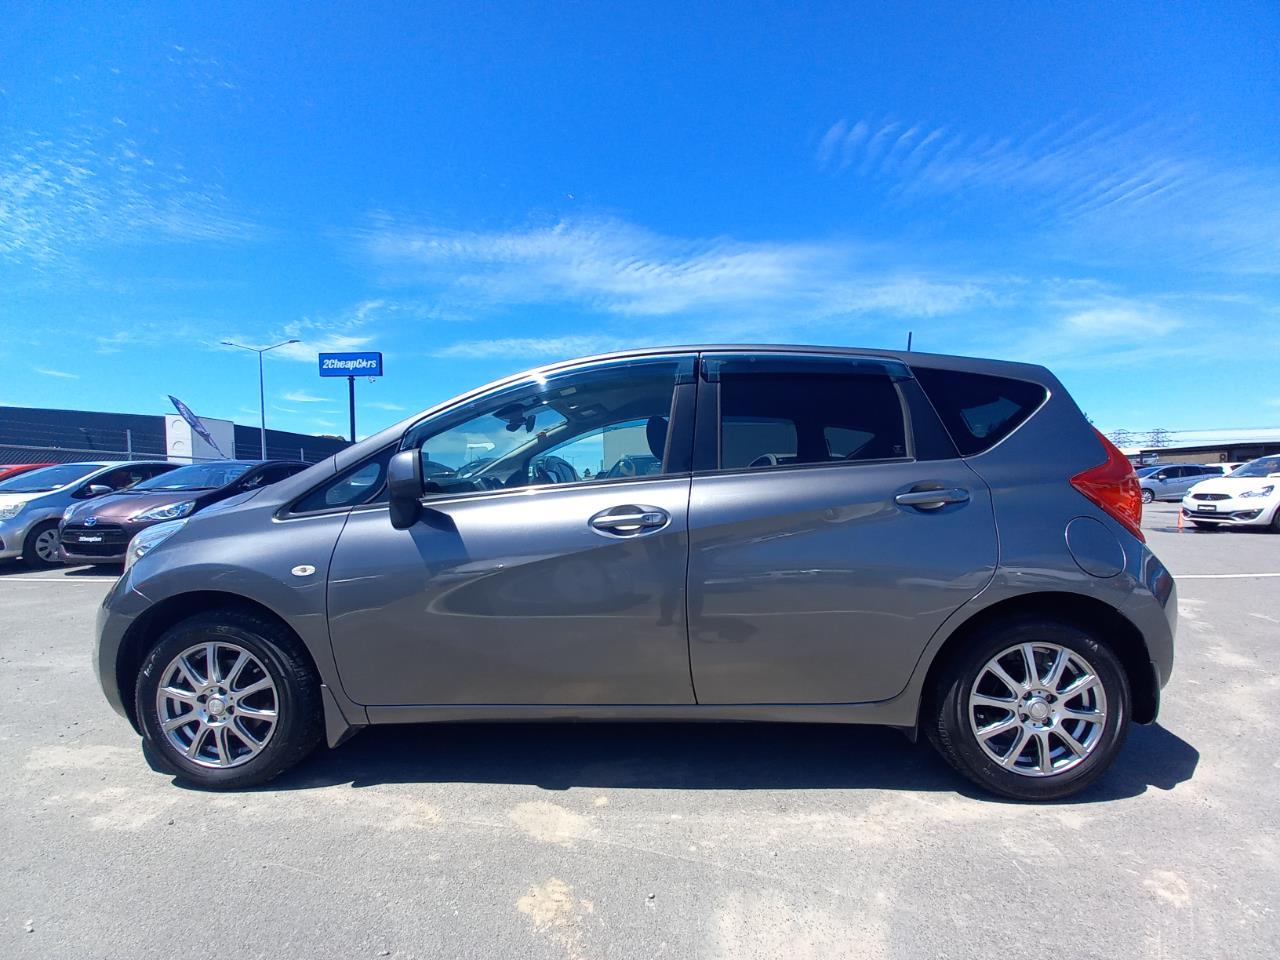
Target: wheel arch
151 624
1082 611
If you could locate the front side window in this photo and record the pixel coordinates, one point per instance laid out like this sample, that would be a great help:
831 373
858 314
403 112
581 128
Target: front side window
605 422
800 413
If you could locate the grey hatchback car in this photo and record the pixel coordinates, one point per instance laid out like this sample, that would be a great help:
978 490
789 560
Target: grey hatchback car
831 535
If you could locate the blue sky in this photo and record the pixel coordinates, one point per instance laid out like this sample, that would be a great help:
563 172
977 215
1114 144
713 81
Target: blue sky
477 188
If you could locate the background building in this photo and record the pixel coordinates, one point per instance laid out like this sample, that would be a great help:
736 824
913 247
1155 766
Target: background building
36 434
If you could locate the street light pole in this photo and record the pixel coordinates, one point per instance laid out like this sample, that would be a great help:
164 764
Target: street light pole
262 393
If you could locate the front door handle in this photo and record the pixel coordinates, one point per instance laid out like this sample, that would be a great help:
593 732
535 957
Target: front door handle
931 499
629 520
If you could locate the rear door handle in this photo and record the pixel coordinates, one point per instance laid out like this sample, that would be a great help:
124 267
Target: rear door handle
931 499
629 520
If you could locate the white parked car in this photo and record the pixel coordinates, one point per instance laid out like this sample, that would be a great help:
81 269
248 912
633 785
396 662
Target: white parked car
1249 496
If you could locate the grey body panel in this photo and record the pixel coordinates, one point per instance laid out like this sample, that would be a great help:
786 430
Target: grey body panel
812 585
238 551
511 597
502 589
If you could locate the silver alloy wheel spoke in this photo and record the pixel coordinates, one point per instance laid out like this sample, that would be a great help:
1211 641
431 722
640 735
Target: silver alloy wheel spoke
204 717
1042 726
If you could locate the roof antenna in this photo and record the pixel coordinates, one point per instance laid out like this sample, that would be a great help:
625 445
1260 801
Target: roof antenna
908 341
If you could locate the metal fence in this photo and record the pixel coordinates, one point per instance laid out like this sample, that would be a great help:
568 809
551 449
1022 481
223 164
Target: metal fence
20 453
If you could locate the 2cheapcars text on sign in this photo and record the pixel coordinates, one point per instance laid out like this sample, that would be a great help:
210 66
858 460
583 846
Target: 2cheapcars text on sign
351 364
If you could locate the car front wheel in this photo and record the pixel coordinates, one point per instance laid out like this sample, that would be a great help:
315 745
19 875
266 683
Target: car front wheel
1147 496
227 699
1033 710
40 549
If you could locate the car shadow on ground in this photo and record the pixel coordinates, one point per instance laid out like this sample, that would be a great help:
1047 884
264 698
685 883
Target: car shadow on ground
689 756
14 568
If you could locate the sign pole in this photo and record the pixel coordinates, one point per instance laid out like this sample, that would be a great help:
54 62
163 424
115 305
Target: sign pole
351 365
351 399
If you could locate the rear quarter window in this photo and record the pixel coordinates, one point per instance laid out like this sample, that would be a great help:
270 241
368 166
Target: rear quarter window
977 409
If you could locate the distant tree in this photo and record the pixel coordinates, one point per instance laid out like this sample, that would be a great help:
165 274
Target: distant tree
1158 437
1121 437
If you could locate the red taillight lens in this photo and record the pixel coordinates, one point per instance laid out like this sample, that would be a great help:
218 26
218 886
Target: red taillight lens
1114 487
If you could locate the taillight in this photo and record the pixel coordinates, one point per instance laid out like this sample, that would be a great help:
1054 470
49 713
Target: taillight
1114 487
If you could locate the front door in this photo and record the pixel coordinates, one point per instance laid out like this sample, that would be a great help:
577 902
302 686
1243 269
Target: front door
830 540
549 565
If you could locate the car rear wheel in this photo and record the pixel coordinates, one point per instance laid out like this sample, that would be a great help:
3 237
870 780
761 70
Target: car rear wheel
1032 709
40 549
227 699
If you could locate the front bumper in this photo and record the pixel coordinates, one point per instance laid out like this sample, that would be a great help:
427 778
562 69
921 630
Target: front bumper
13 533
1237 511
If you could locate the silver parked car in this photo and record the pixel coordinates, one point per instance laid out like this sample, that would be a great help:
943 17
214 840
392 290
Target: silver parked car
31 504
1171 481
831 535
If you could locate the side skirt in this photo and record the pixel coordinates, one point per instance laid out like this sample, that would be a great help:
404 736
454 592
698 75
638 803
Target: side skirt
893 713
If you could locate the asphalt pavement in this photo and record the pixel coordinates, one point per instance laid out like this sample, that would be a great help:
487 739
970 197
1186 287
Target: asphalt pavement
619 841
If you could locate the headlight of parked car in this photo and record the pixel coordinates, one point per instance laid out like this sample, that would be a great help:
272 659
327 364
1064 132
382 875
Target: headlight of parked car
11 511
1262 492
66 514
171 512
149 539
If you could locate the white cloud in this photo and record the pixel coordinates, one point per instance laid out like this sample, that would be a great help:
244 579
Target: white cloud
61 374
380 405
1125 188
538 348
64 191
302 396
612 267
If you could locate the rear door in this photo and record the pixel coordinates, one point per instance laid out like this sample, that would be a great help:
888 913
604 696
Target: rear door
832 529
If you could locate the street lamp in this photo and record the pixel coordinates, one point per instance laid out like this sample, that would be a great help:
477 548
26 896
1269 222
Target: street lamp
262 397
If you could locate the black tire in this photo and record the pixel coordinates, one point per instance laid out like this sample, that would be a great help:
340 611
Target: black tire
30 557
299 723
951 733
1275 521
1147 496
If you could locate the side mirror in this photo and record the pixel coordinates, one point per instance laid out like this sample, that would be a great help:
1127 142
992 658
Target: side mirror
404 488
97 490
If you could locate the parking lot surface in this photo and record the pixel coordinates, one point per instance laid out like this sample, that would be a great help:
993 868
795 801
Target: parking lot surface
620 841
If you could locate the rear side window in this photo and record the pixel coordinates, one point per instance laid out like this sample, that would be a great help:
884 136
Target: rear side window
808 414
979 410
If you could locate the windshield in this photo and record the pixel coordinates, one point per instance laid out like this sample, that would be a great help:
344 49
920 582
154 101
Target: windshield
1144 471
198 476
1262 467
48 478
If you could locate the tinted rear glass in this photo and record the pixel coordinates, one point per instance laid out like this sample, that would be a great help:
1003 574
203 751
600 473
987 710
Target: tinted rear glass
809 416
979 410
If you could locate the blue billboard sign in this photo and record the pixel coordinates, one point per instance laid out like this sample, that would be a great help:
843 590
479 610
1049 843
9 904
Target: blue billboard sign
351 364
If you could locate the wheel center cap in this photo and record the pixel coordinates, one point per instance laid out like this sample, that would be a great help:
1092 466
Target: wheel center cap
1038 709
215 706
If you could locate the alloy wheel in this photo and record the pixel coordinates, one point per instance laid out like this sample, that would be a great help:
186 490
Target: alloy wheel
1038 709
217 704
